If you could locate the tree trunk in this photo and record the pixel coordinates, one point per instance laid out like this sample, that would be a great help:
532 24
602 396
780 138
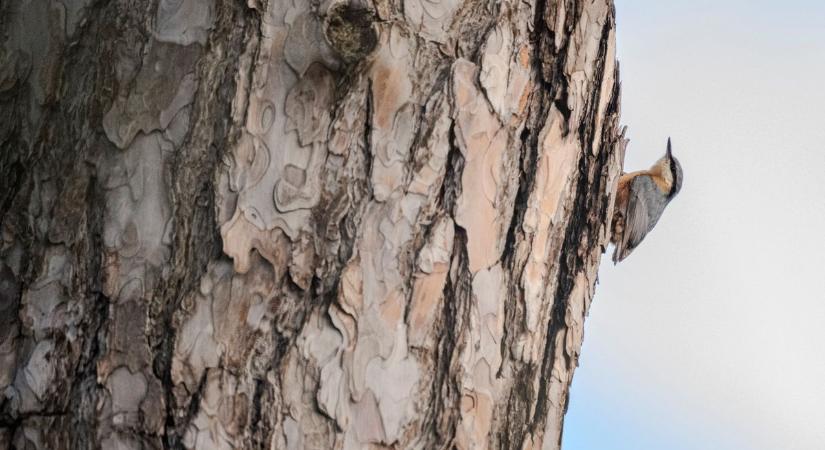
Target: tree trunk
295 224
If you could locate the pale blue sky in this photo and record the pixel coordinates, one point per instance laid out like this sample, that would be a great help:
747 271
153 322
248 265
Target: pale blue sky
711 336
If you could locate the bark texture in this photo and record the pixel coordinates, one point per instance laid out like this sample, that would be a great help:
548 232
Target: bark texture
300 224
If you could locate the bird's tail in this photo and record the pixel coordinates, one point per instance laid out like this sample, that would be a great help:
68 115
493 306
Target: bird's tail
616 231
617 251
621 253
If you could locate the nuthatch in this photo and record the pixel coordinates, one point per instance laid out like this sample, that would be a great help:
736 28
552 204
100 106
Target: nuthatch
640 201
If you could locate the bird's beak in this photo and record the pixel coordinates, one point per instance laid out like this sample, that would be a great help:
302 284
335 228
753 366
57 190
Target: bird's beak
669 150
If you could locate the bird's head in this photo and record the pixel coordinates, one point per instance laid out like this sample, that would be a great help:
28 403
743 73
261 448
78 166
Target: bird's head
675 170
670 170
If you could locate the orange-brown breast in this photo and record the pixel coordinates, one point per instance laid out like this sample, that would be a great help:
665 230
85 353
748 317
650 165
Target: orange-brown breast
620 208
624 189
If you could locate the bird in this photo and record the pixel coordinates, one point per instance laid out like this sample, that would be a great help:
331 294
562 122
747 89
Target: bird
640 200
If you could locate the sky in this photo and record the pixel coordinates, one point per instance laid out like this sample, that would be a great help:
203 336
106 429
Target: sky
711 335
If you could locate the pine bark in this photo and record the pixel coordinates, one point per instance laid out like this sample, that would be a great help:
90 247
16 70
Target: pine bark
300 224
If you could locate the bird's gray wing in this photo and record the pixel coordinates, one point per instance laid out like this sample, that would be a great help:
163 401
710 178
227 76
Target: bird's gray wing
644 207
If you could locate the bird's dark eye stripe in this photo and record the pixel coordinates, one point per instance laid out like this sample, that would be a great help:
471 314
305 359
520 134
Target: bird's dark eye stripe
675 176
